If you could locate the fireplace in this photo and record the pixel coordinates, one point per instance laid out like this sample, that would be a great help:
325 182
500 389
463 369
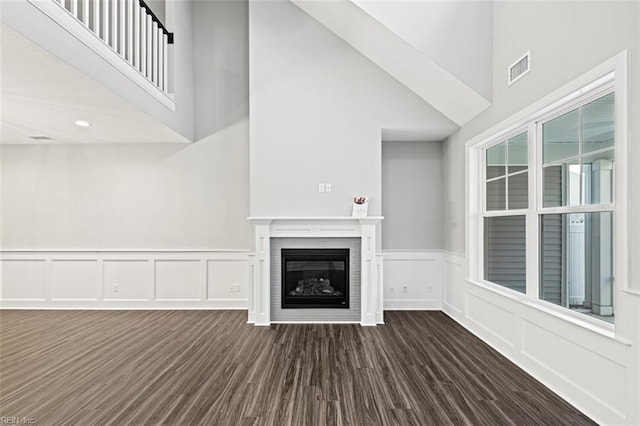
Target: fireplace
315 278
363 292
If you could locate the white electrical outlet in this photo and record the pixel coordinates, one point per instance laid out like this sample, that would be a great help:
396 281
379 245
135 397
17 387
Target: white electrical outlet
116 287
321 187
391 290
429 289
327 187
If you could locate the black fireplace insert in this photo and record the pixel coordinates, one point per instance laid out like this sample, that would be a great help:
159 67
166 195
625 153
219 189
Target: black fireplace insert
315 278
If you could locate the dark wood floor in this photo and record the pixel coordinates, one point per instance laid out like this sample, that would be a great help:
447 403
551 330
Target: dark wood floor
210 367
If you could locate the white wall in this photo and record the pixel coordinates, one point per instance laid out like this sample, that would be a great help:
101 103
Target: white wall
566 39
221 43
159 197
413 280
147 198
453 194
412 230
597 373
454 34
127 197
317 109
412 195
159 9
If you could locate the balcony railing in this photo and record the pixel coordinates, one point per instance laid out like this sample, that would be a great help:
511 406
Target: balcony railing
131 29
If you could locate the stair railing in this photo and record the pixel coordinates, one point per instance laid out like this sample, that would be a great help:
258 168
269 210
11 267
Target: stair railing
132 30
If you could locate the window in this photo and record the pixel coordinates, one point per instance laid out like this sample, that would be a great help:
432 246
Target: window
577 262
506 192
543 211
576 220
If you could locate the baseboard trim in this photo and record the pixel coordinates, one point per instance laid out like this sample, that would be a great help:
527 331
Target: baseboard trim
3 307
412 305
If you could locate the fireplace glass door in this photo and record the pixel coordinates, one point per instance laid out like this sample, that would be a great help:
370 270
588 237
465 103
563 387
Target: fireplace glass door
315 278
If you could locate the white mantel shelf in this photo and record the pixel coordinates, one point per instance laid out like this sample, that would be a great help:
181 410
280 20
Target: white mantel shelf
314 218
267 227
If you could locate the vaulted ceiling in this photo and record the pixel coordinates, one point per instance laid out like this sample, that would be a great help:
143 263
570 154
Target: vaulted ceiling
439 50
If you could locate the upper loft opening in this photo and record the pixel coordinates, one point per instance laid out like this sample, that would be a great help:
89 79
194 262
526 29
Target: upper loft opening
110 59
132 29
43 96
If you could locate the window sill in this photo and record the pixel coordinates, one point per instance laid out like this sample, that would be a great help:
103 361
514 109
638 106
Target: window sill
593 325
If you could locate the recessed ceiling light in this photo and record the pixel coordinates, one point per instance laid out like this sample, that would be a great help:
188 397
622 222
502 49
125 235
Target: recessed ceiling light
82 123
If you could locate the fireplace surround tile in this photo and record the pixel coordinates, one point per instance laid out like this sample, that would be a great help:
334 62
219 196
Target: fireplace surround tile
315 314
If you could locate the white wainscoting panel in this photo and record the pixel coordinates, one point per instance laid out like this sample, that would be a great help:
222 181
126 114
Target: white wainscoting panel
23 280
584 368
453 275
74 280
222 274
123 279
129 280
412 280
178 280
491 318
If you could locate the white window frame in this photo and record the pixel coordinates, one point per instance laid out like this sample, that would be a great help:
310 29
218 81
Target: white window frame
612 74
540 209
597 93
505 212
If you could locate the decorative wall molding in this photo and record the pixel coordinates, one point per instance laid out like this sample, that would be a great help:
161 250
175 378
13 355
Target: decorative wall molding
453 272
28 279
124 279
413 280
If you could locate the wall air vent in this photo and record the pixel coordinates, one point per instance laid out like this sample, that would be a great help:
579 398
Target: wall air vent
520 68
40 138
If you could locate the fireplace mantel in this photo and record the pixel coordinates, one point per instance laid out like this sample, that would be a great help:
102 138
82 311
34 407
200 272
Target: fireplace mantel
316 227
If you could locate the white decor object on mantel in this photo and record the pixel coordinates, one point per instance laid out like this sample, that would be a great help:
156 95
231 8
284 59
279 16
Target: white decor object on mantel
360 206
371 312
